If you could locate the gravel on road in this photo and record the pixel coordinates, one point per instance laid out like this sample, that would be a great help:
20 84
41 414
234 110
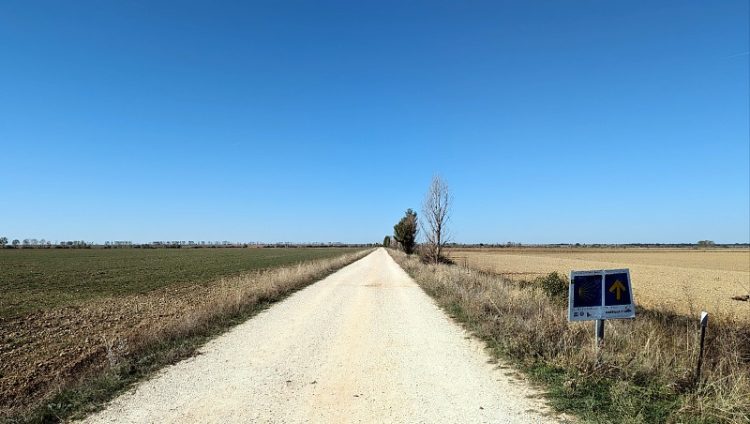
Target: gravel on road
365 344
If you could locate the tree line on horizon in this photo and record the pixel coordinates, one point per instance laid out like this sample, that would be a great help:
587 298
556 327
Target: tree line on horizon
436 210
31 243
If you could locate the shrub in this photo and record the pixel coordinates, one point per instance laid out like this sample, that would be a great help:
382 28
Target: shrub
555 286
644 372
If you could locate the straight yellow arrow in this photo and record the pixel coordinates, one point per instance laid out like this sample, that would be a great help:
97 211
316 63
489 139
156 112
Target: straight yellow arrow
617 288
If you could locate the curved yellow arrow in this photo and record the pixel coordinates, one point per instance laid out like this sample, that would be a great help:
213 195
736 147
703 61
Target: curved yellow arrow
617 288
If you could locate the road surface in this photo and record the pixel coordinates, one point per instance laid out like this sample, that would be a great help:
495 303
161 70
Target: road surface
363 345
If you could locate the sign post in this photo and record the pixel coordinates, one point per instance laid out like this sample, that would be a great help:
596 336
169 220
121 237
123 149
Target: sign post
704 324
600 295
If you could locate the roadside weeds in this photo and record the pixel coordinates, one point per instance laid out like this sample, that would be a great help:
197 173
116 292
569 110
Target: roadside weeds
128 353
645 374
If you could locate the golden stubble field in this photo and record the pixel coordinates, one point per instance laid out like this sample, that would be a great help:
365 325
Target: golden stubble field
681 280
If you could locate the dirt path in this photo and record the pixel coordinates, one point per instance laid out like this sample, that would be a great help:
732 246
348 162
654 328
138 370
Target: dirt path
363 345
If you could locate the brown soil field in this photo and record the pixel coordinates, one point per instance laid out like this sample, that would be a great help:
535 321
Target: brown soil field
45 351
681 280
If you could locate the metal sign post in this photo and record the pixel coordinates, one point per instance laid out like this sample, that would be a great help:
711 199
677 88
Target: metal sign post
704 324
598 296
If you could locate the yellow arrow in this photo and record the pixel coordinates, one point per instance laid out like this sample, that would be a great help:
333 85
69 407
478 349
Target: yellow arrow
617 288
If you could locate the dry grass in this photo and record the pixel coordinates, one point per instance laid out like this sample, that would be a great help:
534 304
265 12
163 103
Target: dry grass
645 373
51 357
676 280
32 280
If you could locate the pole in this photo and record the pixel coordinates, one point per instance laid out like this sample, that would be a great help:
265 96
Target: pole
599 341
704 324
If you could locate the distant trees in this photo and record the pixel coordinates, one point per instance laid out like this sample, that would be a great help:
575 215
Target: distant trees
32 243
706 243
436 213
387 241
26 243
405 232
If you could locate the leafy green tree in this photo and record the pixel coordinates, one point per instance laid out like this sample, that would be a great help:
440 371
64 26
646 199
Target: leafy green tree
387 241
405 232
16 242
3 241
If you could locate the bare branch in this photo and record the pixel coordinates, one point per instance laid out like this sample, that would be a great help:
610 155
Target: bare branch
436 211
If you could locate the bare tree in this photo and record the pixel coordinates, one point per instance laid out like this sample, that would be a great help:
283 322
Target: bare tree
436 213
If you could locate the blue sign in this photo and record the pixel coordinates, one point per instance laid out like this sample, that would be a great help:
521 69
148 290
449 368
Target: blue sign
587 291
600 294
617 289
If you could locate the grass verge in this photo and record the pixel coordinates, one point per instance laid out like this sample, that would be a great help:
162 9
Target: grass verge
128 357
645 370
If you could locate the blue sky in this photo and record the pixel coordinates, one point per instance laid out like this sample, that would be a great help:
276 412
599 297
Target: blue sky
552 121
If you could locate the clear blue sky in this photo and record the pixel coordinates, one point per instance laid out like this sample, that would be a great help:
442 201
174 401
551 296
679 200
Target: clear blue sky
552 121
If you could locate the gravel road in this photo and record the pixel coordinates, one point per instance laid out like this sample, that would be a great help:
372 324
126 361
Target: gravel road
363 345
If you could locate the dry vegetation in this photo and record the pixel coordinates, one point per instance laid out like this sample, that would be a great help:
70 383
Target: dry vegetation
49 358
38 279
679 280
645 372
